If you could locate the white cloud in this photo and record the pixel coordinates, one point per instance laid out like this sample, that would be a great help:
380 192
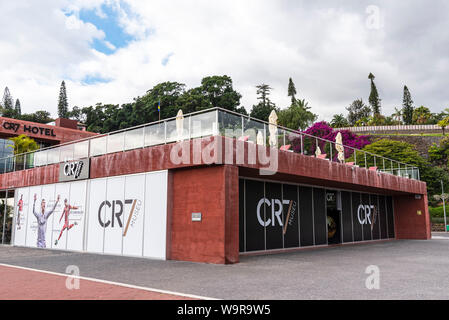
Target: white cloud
327 50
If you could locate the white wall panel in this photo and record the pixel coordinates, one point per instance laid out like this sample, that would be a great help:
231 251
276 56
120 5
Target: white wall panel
115 208
134 215
155 215
20 227
95 232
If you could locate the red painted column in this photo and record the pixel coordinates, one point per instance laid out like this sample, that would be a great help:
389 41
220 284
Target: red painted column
412 219
213 191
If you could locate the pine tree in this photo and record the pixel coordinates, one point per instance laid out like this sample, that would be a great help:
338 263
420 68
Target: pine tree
18 109
7 102
407 106
63 105
374 100
263 109
291 90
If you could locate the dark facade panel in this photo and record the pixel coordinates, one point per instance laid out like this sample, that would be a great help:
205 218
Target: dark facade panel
255 232
383 217
291 216
358 231
319 216
306 216
375 226
273 216
242 215
390 217
365 213
346 216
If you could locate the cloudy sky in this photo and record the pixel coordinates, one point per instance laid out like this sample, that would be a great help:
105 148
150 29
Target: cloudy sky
111 51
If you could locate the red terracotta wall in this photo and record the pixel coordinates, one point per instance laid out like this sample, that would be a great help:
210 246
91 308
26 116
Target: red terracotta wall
213 191
408 223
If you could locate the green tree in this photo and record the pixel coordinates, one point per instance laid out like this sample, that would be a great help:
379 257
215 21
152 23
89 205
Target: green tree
23 143
40 116
374 99
397 115
443 124
407 107
297 116
421 115
406 153
263 109
357 111
291 90
220 92
17 108
7 104
63 105
339 121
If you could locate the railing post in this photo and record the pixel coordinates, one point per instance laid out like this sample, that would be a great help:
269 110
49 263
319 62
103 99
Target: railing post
365 160
302 144
331 151
284 136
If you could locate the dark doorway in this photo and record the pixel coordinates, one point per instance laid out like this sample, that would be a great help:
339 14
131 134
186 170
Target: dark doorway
333 217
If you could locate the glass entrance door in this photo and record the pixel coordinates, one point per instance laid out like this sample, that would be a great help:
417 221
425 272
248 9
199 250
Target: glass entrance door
333 216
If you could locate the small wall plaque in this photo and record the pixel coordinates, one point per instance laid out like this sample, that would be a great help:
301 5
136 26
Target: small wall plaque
196 216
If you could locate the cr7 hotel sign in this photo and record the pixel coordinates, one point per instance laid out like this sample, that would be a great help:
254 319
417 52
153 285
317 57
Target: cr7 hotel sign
74 170
27 129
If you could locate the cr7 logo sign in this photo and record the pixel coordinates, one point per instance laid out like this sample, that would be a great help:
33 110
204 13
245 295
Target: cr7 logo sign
276 213
116 212
364 213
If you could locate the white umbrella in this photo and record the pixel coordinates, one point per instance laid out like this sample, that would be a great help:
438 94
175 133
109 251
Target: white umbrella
180 125
340 148
272 127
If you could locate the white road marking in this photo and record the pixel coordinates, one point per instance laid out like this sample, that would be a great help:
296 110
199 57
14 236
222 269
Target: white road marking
112 283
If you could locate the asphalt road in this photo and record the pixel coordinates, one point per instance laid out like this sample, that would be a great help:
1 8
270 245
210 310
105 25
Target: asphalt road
409 269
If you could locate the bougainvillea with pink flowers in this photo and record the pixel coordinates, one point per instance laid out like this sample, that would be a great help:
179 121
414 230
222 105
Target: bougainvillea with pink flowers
324 131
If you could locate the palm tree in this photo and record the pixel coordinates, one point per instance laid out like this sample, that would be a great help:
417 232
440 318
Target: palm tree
397 115
339 121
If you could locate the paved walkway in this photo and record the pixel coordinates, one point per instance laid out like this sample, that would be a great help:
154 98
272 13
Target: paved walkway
409 269
27 284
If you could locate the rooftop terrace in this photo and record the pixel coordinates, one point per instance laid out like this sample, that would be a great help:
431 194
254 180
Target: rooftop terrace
210 122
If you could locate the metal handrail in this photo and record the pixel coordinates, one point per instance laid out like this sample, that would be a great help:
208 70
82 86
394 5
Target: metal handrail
217 109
